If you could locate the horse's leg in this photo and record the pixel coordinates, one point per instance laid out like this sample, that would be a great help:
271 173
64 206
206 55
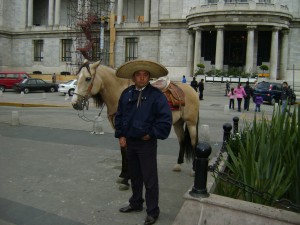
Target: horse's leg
179 131
193 131
123 177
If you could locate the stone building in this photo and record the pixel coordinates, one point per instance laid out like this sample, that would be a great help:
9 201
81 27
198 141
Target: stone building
221 34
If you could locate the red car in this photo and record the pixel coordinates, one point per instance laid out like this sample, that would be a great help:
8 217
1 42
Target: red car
9 79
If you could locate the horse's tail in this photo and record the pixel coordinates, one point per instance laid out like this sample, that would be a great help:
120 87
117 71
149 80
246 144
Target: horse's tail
188 148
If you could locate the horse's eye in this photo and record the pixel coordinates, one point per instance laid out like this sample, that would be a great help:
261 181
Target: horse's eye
88 79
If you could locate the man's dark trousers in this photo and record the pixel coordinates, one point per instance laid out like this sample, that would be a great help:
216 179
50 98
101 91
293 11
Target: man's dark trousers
142 164
246 103
201 94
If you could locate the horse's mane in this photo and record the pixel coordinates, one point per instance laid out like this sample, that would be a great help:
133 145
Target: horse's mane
98 100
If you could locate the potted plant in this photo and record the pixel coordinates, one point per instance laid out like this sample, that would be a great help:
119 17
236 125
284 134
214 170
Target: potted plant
264 68
200 70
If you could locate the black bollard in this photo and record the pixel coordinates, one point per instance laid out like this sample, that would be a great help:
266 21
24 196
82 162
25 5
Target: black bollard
227 127
235 125
203 150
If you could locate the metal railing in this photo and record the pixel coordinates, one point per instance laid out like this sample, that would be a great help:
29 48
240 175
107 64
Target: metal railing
202 167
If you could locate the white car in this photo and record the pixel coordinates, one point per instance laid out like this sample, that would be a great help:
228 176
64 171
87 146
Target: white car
67 87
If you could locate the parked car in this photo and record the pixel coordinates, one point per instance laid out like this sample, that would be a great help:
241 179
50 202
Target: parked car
9 79
68 87
271 92
35 84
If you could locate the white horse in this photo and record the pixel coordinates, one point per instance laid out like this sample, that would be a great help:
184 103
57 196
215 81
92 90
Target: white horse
101 83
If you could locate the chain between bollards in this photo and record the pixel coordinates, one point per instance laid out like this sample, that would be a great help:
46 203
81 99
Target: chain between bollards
203 150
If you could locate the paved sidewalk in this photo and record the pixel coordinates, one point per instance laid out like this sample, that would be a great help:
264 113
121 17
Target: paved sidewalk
53 171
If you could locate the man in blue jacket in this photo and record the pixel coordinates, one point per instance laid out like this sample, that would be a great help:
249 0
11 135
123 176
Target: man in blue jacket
143 116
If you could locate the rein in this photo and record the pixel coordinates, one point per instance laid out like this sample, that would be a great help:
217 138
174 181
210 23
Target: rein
86 119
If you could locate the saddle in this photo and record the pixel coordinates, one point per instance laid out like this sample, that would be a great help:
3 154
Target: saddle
172 91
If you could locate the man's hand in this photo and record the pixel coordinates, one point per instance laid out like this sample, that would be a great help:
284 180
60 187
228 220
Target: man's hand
146 137
122 141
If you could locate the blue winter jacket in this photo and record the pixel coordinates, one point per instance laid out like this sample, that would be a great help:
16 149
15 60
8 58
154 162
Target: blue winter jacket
152 116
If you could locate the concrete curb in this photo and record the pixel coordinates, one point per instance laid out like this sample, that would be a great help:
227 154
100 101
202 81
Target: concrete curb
17 104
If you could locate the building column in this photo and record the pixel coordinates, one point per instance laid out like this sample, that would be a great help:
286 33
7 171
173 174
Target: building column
274 54
87 9
219 48
190 54
120 11
1 13
57 12
284 54
79 6
146 11
197 51
30 13
250 50
50 12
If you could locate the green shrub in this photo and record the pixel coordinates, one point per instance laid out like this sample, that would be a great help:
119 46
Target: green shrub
200 70
265 156
210 73
264 67
201 66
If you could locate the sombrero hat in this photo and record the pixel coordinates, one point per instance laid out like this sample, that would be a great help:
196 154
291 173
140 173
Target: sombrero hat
155 69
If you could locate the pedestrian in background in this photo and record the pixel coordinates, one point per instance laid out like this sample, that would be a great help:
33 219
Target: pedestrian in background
240 94
54 78
258 101
231 96
227 88
249 92
194 84
285 95
201 89
183 79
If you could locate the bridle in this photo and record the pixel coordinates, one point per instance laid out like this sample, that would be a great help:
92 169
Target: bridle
85 98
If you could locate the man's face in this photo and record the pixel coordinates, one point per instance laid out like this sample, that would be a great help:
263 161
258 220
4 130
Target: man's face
141 78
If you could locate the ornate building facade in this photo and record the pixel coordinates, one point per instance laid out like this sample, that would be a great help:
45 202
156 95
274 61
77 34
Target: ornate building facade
221 34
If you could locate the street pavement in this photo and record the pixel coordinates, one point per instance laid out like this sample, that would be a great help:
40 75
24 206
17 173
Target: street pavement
54 171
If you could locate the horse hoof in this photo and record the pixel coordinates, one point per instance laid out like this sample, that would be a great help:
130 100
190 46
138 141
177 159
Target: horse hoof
120 180
177 168
123 187
192 174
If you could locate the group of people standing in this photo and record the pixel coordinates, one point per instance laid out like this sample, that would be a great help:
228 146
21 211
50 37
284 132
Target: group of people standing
241 93
198 86
246 93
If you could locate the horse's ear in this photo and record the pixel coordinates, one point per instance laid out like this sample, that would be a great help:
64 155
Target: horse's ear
95 65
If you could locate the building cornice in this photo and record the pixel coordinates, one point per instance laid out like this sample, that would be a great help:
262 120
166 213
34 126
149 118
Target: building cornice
173 23
244 14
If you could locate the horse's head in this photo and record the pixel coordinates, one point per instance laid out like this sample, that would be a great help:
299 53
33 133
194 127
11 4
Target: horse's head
85 85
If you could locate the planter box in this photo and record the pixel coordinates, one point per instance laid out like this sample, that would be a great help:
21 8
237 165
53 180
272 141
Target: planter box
209 79
230 79
218 79
234 80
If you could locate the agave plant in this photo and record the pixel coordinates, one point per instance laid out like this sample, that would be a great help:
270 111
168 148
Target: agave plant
266 158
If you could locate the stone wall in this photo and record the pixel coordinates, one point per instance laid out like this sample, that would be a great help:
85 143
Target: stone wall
217 210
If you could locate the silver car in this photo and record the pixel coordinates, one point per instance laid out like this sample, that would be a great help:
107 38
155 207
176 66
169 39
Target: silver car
67 87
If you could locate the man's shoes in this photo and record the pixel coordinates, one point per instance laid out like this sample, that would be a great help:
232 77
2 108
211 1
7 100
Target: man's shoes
129 208
150 220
